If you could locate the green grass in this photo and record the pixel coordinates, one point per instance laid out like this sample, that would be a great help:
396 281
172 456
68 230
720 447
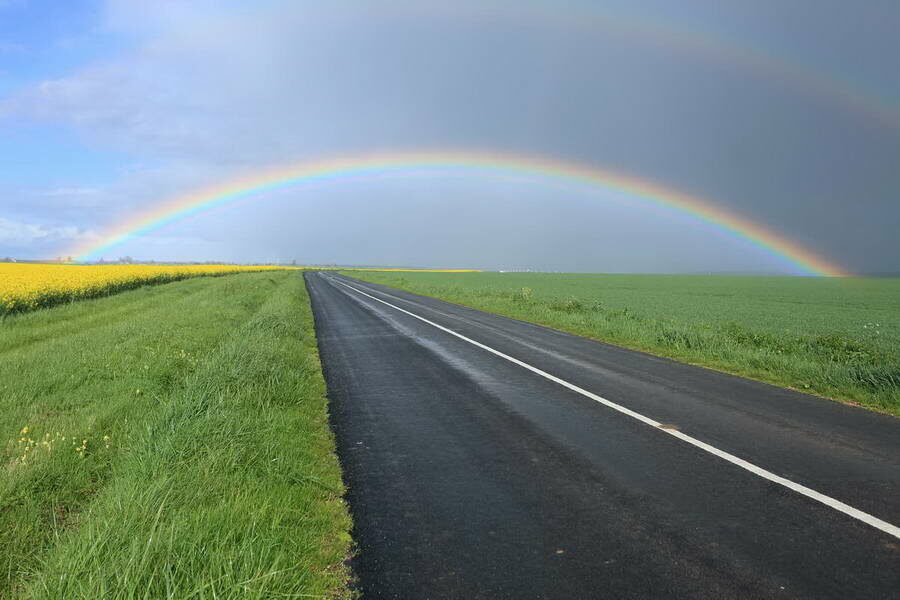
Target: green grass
838 338
209 468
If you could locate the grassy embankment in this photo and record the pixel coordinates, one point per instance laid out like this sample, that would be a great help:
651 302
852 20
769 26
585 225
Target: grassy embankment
170 441
838 338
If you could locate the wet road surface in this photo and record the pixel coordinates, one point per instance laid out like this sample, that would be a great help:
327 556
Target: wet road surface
471 476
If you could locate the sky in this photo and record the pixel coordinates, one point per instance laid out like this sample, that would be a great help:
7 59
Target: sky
786 114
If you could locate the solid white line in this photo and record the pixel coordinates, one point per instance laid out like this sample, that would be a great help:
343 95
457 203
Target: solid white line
800 489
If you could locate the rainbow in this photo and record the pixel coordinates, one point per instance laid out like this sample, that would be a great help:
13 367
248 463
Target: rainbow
701 43
791 255
714 48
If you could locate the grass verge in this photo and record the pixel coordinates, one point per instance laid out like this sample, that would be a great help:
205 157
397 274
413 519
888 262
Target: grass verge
839 338
171 441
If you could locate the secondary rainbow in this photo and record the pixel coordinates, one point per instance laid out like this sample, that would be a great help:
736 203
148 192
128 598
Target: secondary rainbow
790 254
691 39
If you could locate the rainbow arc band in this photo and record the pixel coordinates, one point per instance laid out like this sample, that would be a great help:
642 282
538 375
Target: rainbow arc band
705 43
484 164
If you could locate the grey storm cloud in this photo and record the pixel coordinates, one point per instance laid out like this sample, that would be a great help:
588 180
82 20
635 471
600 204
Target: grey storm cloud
211 90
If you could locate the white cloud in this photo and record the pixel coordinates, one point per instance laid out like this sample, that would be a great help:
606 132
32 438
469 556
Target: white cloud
19 234
237 87
71 191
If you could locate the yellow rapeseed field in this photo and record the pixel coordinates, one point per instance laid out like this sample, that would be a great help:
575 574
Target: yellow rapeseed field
29 286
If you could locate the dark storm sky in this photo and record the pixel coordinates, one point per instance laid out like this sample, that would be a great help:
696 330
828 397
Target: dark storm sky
786 113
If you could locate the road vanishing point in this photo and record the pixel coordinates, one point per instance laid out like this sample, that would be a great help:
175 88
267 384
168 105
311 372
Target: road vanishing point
491 458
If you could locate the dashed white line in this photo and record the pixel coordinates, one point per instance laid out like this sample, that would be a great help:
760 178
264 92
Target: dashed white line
748 466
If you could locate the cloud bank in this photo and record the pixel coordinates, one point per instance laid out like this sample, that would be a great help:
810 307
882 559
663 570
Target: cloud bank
210 90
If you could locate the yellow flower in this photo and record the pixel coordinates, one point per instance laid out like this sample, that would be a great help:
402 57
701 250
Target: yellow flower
29 286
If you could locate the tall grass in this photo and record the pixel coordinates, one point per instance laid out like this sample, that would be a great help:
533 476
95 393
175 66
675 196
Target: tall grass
208 470
839 339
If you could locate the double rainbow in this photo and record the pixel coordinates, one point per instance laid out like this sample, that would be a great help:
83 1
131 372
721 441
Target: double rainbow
704 44
791 255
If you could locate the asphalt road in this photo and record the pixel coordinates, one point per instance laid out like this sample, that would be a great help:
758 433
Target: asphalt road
474 476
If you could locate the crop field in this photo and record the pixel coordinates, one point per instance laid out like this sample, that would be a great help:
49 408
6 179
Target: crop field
838 338
29 286
170 441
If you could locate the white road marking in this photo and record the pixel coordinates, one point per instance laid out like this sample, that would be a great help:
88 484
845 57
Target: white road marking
800 489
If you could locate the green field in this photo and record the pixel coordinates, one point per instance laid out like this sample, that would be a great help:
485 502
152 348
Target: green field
170 441
839 338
